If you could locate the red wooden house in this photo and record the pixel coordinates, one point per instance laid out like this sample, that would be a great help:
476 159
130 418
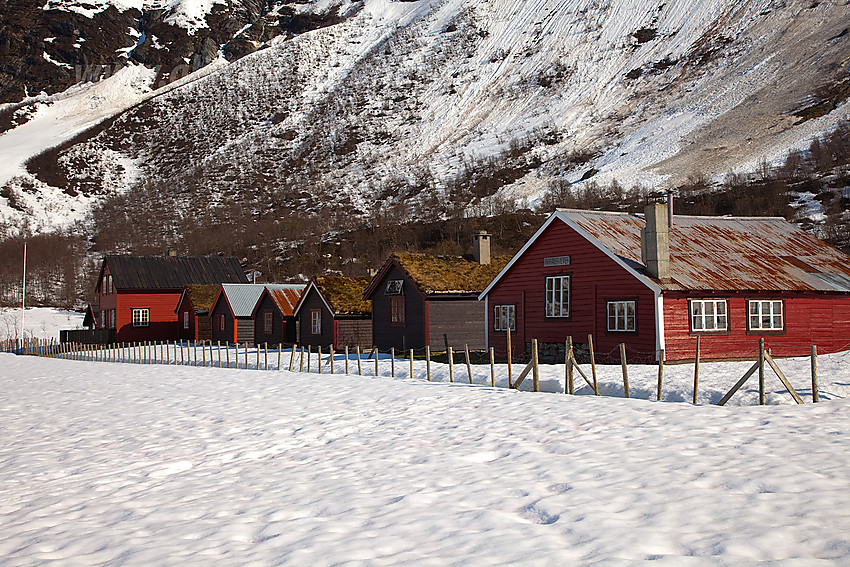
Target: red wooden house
332 311
137 295
421 300
193 311
654 284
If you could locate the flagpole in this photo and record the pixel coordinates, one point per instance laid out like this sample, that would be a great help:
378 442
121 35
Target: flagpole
24 290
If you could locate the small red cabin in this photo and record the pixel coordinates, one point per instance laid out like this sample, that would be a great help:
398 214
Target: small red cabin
332 312
653 285
137 295
193 312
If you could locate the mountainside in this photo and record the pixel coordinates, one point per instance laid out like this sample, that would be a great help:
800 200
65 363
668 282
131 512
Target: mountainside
416 107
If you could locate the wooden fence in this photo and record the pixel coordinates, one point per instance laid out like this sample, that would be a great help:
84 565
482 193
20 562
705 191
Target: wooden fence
207 353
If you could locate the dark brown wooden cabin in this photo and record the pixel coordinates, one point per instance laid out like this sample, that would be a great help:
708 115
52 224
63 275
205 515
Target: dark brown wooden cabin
274 315
420 300
332 311
193 312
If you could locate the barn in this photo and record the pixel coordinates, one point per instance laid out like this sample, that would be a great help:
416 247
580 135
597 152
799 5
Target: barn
193 311
421 300
332 311
234 309
657 282
137 295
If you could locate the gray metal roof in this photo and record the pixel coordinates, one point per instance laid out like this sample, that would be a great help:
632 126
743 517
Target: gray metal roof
243 297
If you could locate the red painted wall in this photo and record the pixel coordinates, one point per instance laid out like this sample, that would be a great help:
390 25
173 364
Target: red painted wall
595 279
810 318
163 320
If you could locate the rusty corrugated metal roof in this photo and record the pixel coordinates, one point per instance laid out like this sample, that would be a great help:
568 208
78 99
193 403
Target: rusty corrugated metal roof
286 297
724 253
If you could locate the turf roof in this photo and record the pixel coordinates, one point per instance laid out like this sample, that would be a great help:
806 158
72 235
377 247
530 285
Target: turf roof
450 274
345 294
202 296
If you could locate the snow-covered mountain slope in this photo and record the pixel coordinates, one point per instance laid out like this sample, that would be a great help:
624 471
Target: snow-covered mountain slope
405 101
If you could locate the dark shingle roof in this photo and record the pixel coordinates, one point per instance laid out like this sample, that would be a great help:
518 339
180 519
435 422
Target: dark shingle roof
172 272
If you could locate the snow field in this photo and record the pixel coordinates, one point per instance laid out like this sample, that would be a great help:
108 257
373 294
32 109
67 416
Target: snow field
131 464
40 322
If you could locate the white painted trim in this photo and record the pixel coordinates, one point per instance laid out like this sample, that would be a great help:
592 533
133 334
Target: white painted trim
301 299
659 325
486 323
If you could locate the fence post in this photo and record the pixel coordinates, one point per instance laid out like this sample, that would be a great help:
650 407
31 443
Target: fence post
292 356
279 354
428 362
568 366
510 356
359 369
815 394
204 353
761 372
625 370
450 354
411 363
392 362
301 360
375 352
319 351
696 371
660 372
258 353
535 369
332 358
346 359
492 367
468 365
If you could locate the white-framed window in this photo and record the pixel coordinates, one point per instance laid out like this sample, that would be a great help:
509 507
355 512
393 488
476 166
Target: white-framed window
394 287
558 296
709 315
111 318
268 322
106 284
766 315
221 322
316 321
621 315
185 319
504 317
141 317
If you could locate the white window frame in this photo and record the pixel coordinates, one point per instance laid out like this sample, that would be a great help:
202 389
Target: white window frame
557 302
185 319
222 322
316 322
619 319
397 310
504 317
268 322
706 317
761 311
140 317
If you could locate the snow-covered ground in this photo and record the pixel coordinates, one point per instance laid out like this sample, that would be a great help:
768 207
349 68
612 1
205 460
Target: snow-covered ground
106 463
39 322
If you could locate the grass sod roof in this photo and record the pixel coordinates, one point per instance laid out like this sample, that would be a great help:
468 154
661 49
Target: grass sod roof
450 274
345 294
202 296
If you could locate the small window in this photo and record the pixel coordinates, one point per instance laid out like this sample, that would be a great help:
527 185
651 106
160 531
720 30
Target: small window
221 322
109 284
394 287
621 315
268 322
504 317
558 296
185 319
111 318
766 315
141 317
397 310
316 322
709 315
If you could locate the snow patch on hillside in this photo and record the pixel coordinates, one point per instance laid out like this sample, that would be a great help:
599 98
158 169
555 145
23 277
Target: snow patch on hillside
188 14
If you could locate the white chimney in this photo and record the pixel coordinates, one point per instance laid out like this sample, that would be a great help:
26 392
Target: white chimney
655 241
481 247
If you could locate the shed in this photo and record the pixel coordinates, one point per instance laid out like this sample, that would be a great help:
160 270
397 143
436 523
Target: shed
640 280
421 300
193 311
274 314
234 309
332 311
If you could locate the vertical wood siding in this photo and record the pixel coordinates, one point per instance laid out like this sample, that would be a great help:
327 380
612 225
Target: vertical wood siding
221 308
461 321
412 333
595 279
353 332
305 327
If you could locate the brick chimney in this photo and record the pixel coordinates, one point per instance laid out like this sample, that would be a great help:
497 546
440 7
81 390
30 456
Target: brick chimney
655 241
481 247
